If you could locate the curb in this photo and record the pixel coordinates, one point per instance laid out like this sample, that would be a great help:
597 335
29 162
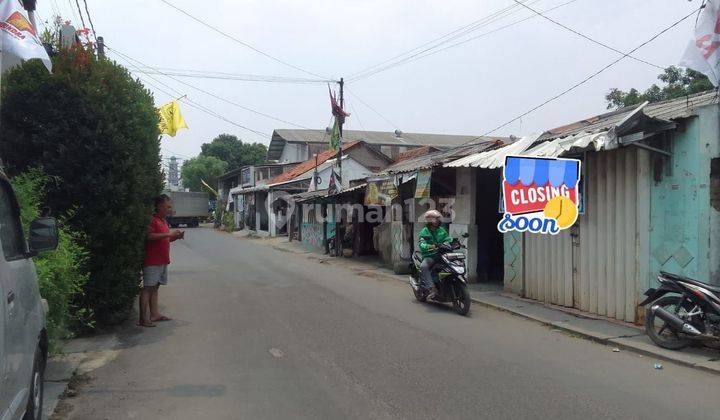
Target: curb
607 341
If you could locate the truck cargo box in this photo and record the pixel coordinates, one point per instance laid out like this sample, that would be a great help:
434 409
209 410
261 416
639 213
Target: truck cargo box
189 208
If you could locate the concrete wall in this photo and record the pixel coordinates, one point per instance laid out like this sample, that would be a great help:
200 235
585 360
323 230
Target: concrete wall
382 241
464 220
294 152
351 171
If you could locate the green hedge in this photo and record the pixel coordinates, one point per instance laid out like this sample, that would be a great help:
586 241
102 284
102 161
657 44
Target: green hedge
94 130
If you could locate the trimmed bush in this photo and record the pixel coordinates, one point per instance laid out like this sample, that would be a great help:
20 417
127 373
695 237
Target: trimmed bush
94 130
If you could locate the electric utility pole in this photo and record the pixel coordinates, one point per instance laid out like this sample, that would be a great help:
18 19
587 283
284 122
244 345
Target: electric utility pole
341 120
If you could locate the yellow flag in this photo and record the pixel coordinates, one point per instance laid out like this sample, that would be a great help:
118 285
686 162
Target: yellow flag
171 120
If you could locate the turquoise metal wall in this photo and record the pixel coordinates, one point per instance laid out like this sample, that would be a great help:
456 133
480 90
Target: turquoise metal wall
513 281
679 208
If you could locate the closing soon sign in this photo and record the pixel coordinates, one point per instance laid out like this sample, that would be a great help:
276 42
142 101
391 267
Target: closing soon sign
540 195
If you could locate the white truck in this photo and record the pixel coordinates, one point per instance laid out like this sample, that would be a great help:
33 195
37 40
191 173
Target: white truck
189 208
23 336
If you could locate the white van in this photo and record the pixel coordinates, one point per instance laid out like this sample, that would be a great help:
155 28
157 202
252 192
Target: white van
23 337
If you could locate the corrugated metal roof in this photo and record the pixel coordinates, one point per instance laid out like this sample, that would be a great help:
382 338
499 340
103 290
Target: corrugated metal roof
416 152
666 110
592 132
494 158
438 158
353 189
380 138
309 195
561 145
323 194
241 190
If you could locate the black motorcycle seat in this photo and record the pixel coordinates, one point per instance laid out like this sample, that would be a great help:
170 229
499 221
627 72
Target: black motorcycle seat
684 279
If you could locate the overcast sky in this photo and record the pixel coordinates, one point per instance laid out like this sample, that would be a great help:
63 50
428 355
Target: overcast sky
468 89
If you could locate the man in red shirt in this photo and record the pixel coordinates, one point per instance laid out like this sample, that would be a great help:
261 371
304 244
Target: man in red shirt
157 258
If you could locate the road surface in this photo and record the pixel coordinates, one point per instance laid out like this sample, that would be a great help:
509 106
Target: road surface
264 334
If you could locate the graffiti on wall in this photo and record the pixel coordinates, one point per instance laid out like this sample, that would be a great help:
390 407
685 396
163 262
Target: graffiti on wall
312 234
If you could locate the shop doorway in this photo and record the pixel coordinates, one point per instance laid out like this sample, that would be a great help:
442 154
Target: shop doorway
487 215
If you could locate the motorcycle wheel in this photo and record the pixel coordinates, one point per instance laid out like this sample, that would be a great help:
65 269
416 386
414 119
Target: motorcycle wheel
462 301
420 295
658 330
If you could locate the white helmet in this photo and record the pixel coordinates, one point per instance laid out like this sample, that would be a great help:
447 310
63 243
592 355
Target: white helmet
433 214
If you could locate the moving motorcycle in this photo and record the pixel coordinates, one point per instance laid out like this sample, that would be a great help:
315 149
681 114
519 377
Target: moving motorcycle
682 311
449 275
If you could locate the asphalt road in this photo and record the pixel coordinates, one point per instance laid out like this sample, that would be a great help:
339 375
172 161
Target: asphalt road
264 334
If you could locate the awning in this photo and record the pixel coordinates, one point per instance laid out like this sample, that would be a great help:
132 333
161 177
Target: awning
541 171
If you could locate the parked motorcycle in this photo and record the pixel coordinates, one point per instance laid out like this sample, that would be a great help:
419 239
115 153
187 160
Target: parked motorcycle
449 273
682 311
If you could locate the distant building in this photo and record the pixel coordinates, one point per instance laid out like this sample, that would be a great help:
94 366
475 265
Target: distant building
249 176
291 145
173 176
258 206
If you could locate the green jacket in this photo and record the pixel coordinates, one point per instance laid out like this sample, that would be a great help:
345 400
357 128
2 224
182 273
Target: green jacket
430 237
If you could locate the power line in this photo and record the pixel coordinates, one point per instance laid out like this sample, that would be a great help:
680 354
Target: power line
92 27
372 109
245 44
593 75
232 76
472 26
430 51
451 36
79 11
594 41
188 101
210 93
357 116
73 13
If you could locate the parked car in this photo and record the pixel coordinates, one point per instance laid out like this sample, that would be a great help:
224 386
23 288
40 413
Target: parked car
23 337
189 208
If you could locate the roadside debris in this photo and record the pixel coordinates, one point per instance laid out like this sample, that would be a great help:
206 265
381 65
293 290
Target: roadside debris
658 366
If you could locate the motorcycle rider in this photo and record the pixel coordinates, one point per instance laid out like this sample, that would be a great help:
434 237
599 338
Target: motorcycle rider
431 236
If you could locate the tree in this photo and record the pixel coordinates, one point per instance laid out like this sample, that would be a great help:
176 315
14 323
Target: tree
232 150
206 168
93 129
678 83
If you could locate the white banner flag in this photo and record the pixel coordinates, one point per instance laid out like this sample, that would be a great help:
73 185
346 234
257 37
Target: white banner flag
702 53
18 38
